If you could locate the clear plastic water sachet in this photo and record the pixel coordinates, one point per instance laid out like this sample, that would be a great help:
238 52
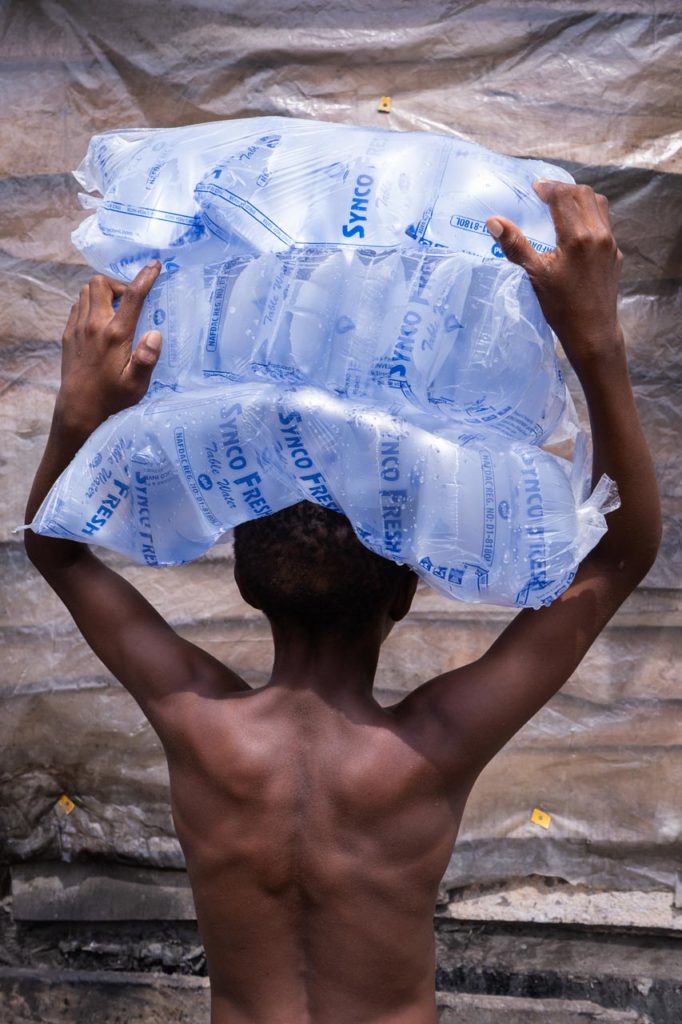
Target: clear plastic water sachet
164 480
338 326
265 184
440 331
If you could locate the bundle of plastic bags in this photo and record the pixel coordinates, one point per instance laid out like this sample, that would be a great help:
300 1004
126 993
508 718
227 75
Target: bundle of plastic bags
266 184
339 327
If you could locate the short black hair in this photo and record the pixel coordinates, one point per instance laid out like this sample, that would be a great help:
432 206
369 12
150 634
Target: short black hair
305 564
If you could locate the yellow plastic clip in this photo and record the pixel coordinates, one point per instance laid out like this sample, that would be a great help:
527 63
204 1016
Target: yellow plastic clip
541 818
66 803
385 105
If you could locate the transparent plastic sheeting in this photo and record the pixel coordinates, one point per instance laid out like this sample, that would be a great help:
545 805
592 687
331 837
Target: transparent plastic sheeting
433 372
603 757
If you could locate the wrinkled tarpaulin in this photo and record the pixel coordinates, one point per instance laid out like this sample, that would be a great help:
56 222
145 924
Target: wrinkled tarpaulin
593 86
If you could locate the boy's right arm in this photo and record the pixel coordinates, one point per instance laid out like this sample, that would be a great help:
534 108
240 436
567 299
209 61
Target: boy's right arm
475 710
101 375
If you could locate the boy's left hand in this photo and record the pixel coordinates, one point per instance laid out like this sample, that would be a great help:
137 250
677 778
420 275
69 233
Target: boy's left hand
101 374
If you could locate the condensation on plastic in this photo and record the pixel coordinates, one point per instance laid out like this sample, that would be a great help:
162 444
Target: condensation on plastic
591 85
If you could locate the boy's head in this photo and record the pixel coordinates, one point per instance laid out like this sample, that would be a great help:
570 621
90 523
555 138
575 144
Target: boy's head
305 566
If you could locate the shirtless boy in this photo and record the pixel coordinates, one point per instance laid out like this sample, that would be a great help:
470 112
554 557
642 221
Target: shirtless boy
316 825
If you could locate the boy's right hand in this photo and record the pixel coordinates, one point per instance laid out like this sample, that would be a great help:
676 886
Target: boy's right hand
101 374
577 283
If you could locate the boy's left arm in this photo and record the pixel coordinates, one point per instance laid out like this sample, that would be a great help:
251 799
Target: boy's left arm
101 375
474 710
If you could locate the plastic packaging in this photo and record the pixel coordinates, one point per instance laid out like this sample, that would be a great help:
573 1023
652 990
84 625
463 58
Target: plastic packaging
339 327
256 185
164 480
444 332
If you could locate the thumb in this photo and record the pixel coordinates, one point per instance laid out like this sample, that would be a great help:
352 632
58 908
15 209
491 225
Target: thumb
144 358
513 242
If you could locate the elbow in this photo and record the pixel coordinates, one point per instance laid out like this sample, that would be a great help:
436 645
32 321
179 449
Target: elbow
649 552
638 560
630 559
52 556
32 546
33 542
648 544
36 552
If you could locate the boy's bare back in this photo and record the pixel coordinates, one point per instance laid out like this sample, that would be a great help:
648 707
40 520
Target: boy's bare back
315 835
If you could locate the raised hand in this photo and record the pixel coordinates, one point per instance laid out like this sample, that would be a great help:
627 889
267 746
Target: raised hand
577 283
577 287
101 374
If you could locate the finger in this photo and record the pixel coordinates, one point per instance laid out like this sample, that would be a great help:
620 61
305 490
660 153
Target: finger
586 198
604 212
573 208
117 287
513 242
560 197
133 298
83 305
102 297
144 358
73 318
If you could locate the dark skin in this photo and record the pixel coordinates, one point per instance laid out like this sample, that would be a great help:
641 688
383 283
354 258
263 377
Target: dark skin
317 825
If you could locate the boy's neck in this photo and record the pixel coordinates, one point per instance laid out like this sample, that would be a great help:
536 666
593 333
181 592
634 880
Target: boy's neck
338 664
